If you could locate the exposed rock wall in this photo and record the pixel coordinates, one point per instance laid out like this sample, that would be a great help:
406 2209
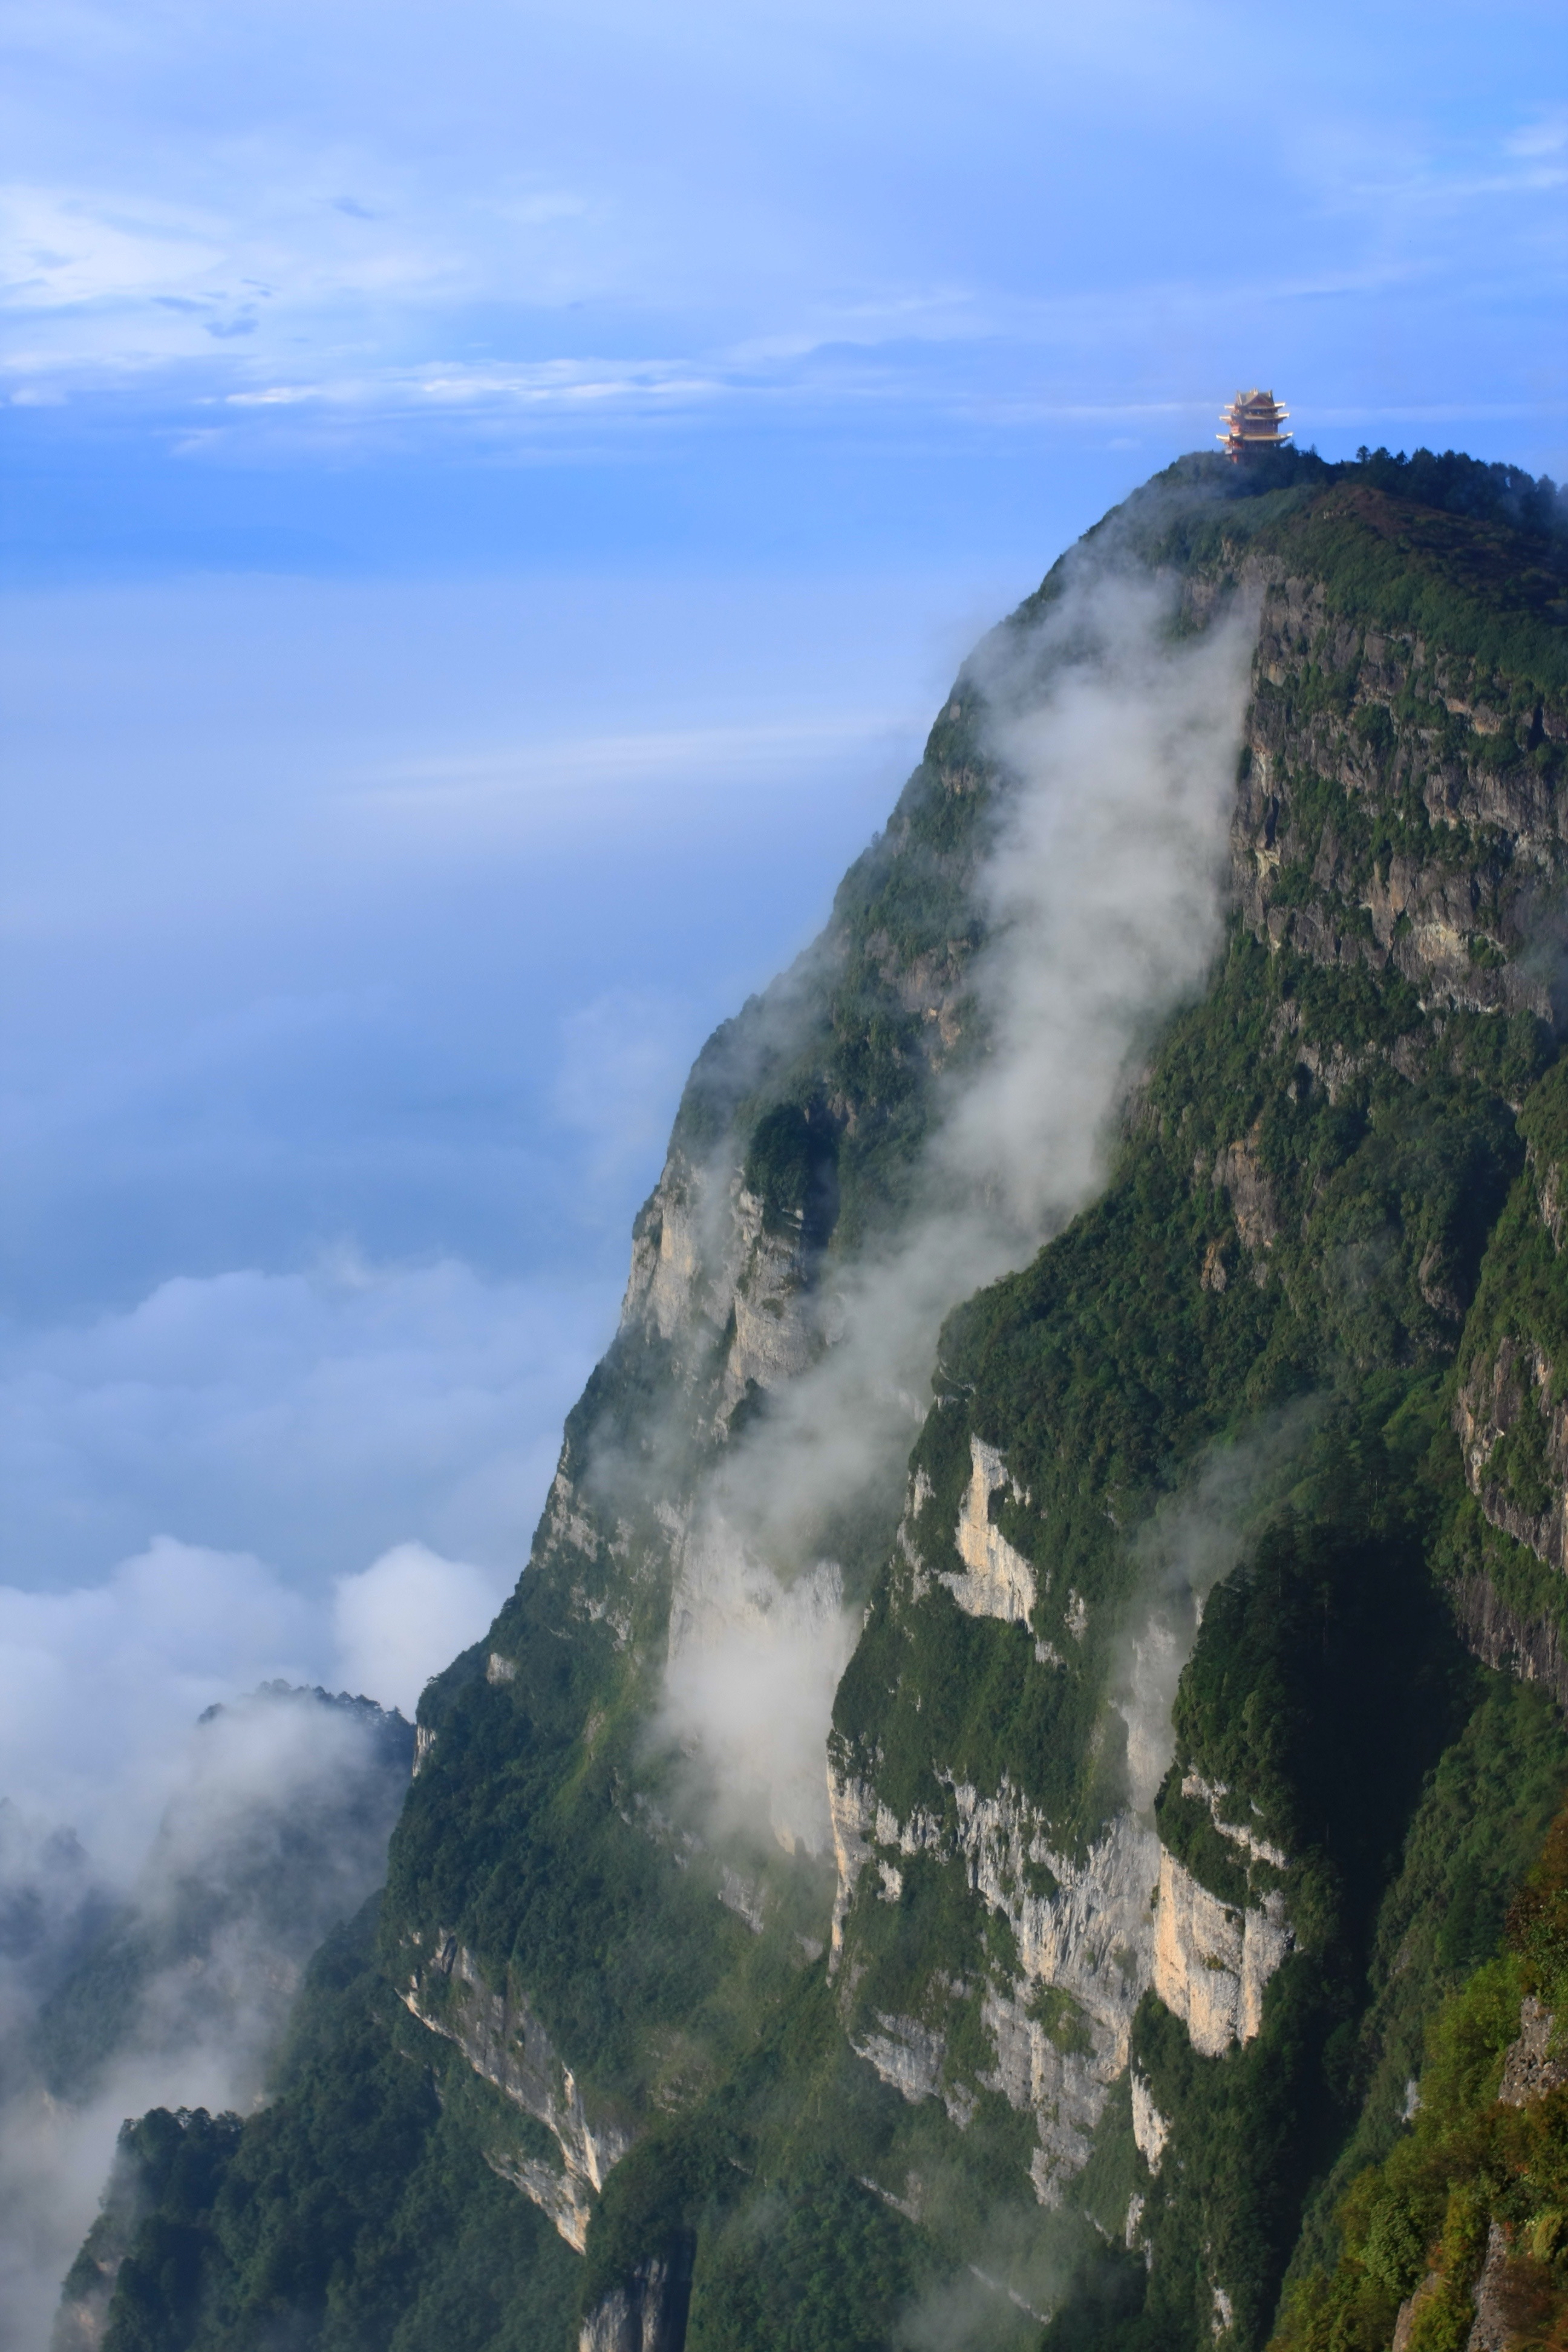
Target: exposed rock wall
646 2313
1150 2128
687 1252
1088 1943
1098 1942
1381 715
1211 1961
1531 2069
503 2039
1531 1647
1495 2328
998 1581
1519 1380
907 2055
731 1298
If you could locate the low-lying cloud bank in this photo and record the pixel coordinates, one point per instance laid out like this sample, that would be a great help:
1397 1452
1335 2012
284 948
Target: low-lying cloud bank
377 1439
214 1855
174 1991
100 1686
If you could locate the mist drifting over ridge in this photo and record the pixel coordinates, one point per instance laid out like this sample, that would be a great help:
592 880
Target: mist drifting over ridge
1102 895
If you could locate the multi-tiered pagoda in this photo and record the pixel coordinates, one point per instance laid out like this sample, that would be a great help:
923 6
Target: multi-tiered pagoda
1252 426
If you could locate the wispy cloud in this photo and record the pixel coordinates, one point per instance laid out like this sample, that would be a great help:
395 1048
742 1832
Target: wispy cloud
63 246
101 1685
547 385
532 790
1102 892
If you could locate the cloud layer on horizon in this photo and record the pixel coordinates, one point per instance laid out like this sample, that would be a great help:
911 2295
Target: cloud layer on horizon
360 942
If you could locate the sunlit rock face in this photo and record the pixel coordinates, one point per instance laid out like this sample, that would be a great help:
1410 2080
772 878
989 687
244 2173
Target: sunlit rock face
998 1581
1211 1962
503 2039
1150 2128
1086 1947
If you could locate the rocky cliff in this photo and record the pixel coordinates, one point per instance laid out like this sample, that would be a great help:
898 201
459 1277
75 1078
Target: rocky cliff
922 1849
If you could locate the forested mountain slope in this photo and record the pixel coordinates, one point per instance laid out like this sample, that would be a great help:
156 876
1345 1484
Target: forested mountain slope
1039 1675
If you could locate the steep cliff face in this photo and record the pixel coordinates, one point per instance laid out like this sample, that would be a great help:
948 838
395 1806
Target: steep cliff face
1454 2235
504 2042
1309 1204
1392 814
850 1879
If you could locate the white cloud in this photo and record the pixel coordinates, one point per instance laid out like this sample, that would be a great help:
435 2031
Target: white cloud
316 1417
752 1667
100 1686
288 1429
404 1617
216 1948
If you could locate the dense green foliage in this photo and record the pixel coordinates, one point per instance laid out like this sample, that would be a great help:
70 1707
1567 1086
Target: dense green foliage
1482 1816
817 2272
791 1167
1523 1300
1109 1365
777 2184
356 2213
1417 2225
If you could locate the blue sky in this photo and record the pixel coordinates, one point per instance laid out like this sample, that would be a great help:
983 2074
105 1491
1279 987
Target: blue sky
358 287
492 495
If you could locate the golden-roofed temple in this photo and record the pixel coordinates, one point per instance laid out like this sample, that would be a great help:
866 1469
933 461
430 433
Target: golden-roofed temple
1251 426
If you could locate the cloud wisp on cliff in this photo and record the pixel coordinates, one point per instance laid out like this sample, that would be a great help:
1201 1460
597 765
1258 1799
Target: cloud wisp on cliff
1103 896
